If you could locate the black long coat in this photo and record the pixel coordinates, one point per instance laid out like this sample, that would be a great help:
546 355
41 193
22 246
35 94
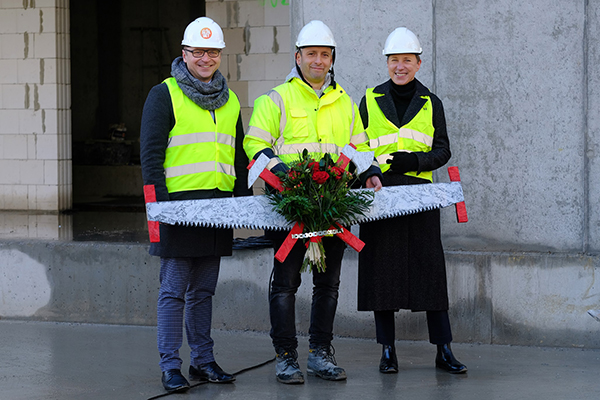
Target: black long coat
402 265
182 241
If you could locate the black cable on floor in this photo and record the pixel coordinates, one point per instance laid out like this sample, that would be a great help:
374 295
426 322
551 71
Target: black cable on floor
203 383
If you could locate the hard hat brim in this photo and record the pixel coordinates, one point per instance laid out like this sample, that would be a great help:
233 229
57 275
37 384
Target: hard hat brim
389 53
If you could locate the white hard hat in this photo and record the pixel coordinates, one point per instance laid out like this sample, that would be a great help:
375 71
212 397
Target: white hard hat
315 33
402 41
203 32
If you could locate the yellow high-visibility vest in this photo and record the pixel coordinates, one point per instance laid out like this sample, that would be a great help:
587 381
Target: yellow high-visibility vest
291 118
386 138
200 154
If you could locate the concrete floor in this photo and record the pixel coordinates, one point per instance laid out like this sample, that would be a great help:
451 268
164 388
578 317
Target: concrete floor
51 361
48 360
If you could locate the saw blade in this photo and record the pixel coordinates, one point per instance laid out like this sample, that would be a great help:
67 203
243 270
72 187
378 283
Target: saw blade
256 212
395 201
251 212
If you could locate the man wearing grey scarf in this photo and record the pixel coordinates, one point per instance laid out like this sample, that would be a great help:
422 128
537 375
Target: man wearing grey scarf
191 148
207 95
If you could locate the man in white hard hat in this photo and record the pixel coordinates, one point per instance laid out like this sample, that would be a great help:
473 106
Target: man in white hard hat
191 148
309 111
402 264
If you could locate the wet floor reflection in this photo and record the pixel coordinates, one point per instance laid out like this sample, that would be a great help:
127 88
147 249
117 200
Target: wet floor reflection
98 225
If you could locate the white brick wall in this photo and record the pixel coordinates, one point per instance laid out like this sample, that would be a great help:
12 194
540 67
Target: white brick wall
258 46
35 124
28 20
276 16
8 20
8 123
35 128
13 147
251 67
277 66
8 71
13 45
251 13
30 123
10 196
28 71
14 97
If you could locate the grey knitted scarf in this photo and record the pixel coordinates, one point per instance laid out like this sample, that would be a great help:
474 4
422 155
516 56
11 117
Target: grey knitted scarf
208 96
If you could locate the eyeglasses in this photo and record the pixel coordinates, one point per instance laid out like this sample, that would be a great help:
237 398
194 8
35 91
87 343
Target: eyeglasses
198 53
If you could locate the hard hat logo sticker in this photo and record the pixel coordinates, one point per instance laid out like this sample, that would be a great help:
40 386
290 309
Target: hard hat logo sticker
206 33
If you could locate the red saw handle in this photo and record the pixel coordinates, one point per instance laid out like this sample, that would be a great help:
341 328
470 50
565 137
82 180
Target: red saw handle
461 208
288 243
344 160
268 177
153 226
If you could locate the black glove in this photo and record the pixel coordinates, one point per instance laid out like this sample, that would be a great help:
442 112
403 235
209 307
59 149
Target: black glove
403 162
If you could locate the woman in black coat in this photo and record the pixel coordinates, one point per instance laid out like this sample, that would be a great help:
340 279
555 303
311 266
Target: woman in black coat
402 265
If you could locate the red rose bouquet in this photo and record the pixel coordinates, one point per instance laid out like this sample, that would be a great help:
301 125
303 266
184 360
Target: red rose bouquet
317 195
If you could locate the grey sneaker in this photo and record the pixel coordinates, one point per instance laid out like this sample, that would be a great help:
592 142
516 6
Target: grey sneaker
287 369
321 363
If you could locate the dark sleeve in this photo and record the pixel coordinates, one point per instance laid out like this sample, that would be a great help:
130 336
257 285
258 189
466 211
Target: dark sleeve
364 114
281 167
241 162
157 121
440 149
372 171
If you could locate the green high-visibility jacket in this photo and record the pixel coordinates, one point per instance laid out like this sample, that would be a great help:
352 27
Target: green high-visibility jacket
386 138
291 118
201 151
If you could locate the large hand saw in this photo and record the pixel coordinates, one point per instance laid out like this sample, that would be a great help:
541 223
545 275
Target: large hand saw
256 212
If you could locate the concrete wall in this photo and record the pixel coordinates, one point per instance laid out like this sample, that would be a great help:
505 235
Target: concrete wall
530 299
516 87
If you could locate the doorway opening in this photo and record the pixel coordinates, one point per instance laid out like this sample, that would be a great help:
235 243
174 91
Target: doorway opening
119 51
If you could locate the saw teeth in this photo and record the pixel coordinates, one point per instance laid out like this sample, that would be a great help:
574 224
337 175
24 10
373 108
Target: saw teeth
189 212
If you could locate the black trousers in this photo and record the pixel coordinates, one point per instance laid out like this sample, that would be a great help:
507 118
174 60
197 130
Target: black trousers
287 279
438 325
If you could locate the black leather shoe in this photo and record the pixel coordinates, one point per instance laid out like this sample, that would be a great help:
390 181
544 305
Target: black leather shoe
389 362
210 372
173 381
445 360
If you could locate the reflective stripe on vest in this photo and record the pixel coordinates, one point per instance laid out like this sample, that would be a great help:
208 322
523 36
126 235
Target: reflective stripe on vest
320 125
386 138
200 153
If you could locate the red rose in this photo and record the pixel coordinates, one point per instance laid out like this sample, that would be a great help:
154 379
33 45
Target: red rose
338 172
314 165
320 177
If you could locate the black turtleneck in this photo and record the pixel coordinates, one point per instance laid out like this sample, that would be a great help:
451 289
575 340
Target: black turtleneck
402 95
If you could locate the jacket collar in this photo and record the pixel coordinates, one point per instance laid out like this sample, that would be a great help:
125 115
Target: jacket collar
329 94
294 74
386 102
